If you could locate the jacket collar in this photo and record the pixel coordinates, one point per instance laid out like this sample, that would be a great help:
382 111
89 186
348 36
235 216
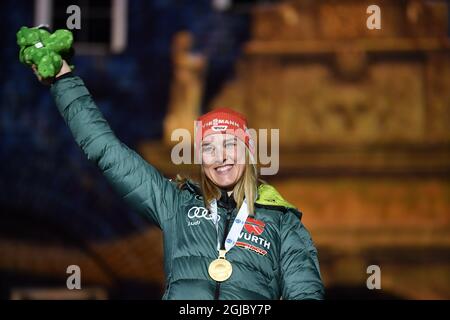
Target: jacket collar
268 197
226 201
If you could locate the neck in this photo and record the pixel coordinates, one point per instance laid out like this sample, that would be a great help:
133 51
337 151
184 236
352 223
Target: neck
229 192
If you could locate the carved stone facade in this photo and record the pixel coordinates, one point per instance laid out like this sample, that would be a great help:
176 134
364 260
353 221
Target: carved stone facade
364 132
364 119
314 70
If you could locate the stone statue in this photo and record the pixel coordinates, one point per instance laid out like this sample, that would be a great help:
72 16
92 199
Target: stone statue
186 88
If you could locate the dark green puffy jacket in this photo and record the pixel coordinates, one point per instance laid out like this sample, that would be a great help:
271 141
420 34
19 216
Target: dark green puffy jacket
274 257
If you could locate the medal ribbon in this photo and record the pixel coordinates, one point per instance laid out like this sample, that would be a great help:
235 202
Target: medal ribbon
235 229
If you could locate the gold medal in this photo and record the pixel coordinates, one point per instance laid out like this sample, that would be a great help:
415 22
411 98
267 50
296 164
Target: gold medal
220 269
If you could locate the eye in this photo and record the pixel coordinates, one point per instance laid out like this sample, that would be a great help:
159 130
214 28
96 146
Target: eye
230 144
207 149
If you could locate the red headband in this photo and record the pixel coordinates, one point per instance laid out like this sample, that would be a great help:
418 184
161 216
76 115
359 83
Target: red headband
223 120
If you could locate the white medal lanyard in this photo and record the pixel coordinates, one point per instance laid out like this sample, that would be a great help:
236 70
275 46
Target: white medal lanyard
235 229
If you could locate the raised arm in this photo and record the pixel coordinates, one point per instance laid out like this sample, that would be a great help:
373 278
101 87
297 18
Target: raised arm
136 181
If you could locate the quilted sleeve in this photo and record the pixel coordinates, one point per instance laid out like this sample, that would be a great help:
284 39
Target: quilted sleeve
136 181
300 272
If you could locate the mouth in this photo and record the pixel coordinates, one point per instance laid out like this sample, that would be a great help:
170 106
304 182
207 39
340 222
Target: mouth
224 169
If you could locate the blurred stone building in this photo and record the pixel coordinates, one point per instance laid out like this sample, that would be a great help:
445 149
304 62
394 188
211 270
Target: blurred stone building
364 119
364 143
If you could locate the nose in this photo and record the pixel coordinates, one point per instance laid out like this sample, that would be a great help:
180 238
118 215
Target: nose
220 155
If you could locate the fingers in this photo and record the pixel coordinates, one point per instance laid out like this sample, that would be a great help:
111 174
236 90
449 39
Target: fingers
47 81
36 73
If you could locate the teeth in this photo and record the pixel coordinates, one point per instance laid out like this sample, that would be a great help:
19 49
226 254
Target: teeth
224 168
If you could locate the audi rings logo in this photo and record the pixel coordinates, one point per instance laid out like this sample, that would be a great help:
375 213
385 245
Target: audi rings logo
200 212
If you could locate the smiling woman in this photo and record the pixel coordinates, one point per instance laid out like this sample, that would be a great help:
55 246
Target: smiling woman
227 237
225 157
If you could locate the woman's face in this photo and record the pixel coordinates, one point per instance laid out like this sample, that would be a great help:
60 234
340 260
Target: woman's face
223 159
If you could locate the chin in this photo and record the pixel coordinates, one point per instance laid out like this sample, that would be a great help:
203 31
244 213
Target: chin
225 183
